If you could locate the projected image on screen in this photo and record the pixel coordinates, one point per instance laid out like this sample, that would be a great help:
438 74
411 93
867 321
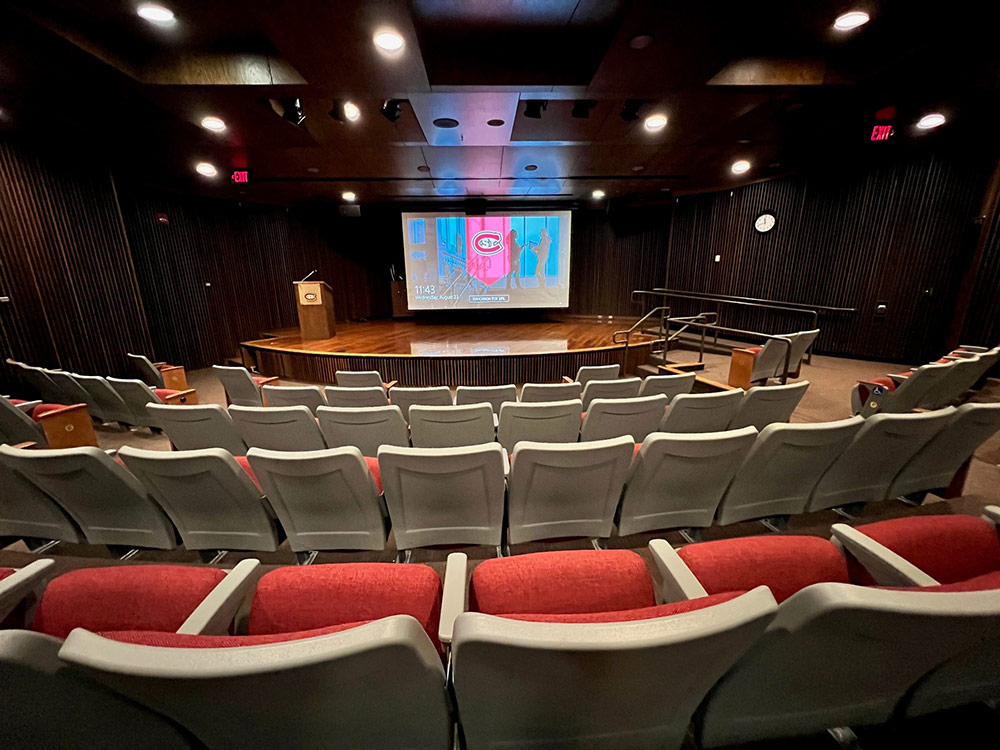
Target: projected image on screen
495 261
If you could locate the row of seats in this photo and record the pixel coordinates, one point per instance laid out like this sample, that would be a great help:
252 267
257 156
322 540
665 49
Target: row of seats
330 499
368 427
758 364
552 649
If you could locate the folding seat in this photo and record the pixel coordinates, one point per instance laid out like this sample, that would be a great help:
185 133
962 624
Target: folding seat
108 504
783 467
362 379
309 396
278 428
593 372
935 554
800 342
404 398
602 388
545 392
110 406
566 489
887 395
214 502
543 422
336 656
494 395
325 500
701 412
201 426
879 450
677 481
444 495
20 584
160 374
668 385
242 388
963 374
365 428
355 397
48 425
137 394
38 379
73 392
762 405
836 654
451 426
571 649
635 417
756 364
26 512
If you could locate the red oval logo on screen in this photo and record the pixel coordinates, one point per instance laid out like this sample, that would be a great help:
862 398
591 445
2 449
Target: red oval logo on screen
488 242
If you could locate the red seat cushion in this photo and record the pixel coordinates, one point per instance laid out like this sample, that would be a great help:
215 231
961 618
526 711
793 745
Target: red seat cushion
17 401
245 465
5 572
979 583
292 599
629 615
948 548
376 472
635 451
42 409
184 640
754 349
258 379
785 564
864 391
568 582
164 393
125 597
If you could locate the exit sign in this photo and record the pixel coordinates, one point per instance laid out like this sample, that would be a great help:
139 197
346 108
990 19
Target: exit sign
881 132
241 176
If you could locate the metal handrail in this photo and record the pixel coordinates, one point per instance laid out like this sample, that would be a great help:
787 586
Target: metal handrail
737 298
772 337
638 324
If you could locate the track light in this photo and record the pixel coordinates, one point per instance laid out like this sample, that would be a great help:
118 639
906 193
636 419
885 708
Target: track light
582 107
533 108
392 109
630 111
345 111
289 109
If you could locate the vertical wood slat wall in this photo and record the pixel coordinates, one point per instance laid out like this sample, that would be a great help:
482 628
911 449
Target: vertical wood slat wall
982 324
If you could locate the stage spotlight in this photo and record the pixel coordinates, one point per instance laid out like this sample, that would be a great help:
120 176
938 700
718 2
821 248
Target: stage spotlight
533 108
582 107
345 111
630 111
290 110
392 109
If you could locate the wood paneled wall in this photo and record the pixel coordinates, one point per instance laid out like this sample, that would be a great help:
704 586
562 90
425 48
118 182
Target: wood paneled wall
982 323
65 264
899 233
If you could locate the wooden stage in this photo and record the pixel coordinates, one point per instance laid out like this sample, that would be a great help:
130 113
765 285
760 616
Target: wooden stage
424 353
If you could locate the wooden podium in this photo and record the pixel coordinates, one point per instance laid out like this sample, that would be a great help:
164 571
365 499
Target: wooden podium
315 302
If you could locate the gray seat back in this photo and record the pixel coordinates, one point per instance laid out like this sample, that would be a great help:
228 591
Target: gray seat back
449 426
309 396
404 398
596 372
38 379
770 360
494 395
764 404
26 511
136 395
278 428
358 379
701 412
962 375
211 500
356 397
635 417
73 391
910 393
678 480
200 426
325 500
668 385
602 388
532 393
149 372
17 427
111 406
800 342
543 422
239 385
366 428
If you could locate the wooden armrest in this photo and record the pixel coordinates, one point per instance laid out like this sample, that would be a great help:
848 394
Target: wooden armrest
27 445
69 427
567 379
390 384
189 397
745 351
170 368
64 410
160 365
268 381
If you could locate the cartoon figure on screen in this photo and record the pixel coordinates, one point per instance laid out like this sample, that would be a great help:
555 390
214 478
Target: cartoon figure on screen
515 259
542 253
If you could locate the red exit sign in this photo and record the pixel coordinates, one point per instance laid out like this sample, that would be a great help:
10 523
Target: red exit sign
241 176
881 132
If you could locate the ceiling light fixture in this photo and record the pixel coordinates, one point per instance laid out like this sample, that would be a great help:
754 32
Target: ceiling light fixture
597 195
345 111
494 123
530 167
640 41
851 20
351 111
348 196
741 166
630 110
205 169
581 108
290 110
655 122
423 168
392 109
927 122
446 122
215 124
388 40
533 108
155 14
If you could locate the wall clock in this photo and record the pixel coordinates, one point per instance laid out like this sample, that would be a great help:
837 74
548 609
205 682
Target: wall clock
765 222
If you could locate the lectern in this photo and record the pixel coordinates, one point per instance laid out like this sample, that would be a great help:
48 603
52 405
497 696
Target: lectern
316 318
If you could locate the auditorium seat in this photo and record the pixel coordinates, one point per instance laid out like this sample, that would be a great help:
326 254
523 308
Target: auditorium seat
309 396
214 503
278 428
783 467
337 655
39 380
18 585
532 393
200 426
17 426
612 417
325 500
54 425
936 463
887 395
571 649
701 412
444 495
677 481
757 364
107 502
26 512
762 405
159 374
366 428
879 450
566 489
450 426
593 372
668 385
137 394
355 397
404 398
362 379
26 406
494 395
241 387
605 388
110 406
543 422
836 654
964 373
801 341
73 392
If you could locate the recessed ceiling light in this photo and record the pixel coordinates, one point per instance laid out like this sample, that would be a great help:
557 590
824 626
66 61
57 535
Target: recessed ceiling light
423 168
215 124
351 111
312 170
388 41
640 41
638 168
494 123
155 13
530 167
597 195
851 20
655 122
205 169
349 196
931 121
741 166
446 122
